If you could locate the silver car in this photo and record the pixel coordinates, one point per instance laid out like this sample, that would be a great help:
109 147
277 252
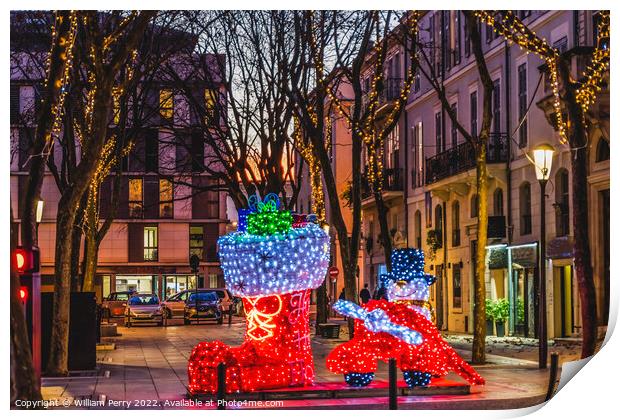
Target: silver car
143 308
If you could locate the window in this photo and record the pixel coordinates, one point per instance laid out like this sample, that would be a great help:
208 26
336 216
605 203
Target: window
456 286
213 281
453 132
498 202
525 208
562 216
151 151
418 157
489 33
135 198
473 206
522 84
446 40
467 41
439 224
497 122
431 30
166 104
602 150
393 148
473 109
165 198
456 224
196 240
198 152
561 44
428 208
150 243
418 229
457 40
439 145
416 81
211 105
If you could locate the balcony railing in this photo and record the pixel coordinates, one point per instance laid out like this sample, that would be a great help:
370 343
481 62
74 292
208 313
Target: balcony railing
391 90
392 181
463 157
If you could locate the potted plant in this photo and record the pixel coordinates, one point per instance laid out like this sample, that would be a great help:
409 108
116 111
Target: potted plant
501 311
489 308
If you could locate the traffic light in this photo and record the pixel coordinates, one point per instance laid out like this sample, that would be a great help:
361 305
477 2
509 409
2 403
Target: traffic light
26 260
23 294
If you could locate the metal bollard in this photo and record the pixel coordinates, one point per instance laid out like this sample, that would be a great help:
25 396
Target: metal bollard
553 373
393 388
221 386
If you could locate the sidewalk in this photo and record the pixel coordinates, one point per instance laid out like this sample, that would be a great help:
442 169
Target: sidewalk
149 365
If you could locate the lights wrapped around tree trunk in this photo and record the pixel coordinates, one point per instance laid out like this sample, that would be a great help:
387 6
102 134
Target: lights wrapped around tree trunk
274 273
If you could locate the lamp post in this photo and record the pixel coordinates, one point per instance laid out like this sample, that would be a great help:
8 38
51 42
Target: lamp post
543 156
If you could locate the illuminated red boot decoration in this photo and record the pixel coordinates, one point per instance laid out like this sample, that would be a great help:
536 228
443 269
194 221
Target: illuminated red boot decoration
273 266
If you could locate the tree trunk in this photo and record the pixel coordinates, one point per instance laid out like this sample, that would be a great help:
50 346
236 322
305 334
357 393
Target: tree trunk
91 254
386 237
24 385
578 140
478 355
58 356
76 242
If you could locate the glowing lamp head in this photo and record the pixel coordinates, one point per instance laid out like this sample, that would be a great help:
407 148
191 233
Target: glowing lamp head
543 158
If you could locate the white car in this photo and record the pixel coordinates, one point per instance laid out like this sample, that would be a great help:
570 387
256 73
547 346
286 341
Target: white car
174 306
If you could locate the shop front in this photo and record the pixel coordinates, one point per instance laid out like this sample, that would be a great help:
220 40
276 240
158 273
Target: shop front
513 276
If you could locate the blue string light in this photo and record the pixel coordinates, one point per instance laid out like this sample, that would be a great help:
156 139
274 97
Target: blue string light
358 380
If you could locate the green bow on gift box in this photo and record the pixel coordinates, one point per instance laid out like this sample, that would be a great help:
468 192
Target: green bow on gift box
265 218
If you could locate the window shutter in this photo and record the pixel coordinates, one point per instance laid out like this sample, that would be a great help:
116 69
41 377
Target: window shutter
136 242
151 197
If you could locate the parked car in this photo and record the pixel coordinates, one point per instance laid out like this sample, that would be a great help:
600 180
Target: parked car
114 305
203 305
174 306
143 308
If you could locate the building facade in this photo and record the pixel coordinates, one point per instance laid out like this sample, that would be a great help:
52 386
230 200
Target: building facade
165 211
430 175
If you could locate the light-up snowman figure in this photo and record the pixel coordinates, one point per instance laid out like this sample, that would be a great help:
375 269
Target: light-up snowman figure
407 283
273 261
400 327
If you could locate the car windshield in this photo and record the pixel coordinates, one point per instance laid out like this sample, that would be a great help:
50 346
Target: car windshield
119 296
144 300
203 297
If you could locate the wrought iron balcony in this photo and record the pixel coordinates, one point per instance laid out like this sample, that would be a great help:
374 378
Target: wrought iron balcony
392 181
390 91
463 157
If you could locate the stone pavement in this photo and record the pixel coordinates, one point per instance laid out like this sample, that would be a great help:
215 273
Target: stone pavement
148 369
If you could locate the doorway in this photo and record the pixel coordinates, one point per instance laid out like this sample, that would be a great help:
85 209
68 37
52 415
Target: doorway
524 301
563 301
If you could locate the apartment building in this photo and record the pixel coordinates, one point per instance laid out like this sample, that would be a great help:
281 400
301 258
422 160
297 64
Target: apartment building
429 183
163 215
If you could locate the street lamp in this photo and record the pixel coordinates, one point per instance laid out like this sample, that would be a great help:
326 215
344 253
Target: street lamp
543 157
39 214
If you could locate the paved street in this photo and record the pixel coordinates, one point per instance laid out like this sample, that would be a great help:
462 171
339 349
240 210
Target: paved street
149 365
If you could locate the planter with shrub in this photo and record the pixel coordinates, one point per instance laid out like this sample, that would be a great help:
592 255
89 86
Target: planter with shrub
501 311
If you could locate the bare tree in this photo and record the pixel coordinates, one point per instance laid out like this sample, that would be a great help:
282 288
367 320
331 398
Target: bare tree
108 43
479 142
23 382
